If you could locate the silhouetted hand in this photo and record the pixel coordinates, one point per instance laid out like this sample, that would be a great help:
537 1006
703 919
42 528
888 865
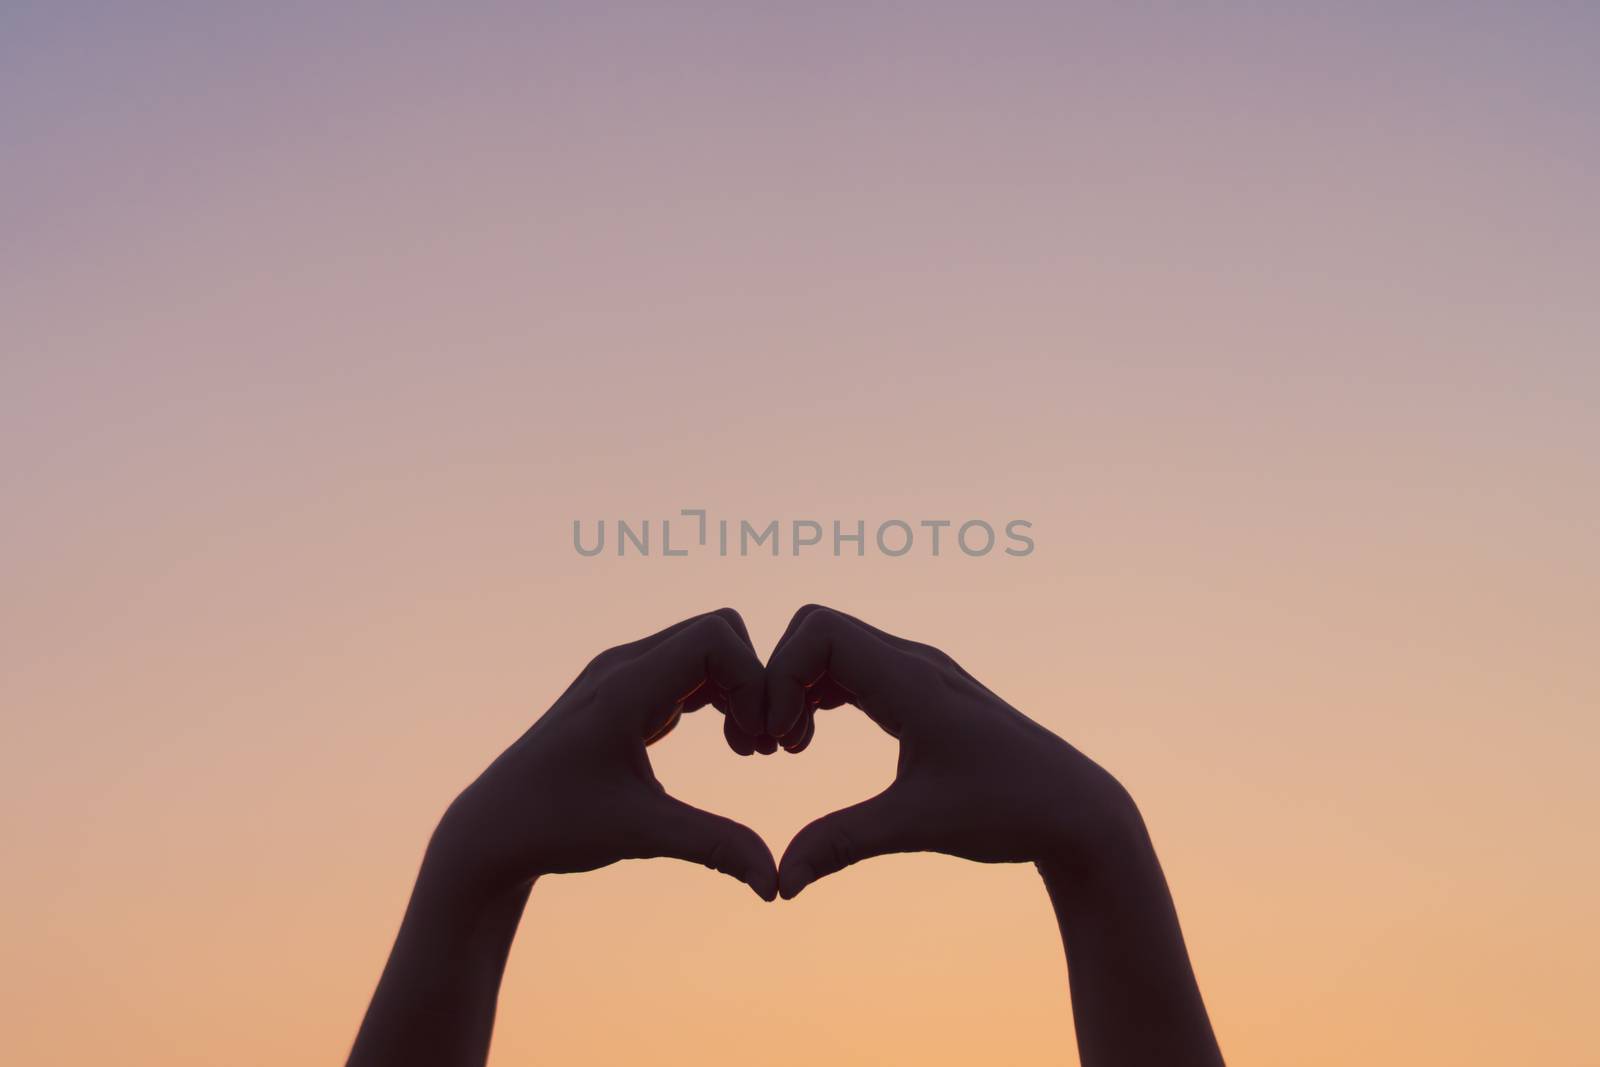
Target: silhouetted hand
976 779
980 780
576 791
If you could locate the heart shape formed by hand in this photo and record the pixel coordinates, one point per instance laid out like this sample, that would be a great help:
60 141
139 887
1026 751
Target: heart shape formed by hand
976 779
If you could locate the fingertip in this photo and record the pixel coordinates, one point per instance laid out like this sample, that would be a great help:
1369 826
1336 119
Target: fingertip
793 878
783 703
749 723
746 700
737 739
760 870
766 744
796 740
762 879
736 621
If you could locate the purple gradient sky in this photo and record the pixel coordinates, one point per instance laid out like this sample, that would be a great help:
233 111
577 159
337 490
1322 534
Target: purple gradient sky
317 331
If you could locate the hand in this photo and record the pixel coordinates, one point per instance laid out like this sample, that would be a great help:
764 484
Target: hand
576 791
976 778
980 780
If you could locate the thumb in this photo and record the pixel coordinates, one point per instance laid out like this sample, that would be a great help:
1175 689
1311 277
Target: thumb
685 832
873 827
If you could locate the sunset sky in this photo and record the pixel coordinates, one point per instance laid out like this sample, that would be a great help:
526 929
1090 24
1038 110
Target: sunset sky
1280 323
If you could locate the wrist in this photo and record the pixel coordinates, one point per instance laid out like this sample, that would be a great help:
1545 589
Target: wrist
452 908
462 871
1093 830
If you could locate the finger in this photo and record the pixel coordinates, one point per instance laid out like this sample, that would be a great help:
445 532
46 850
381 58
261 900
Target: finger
737 739
874 827
826 694
798 728
636 648
706 694
799 734
825 646
710 693
735 620
683 831
795 621
796 742
925 651
665 729
708 650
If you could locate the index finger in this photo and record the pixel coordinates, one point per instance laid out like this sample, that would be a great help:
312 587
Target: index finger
705 650
823 643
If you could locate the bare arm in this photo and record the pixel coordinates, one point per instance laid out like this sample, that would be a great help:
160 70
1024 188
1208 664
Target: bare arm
980 780
572 794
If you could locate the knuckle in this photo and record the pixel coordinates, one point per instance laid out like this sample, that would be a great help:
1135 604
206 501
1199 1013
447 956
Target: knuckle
730 616
842 850
602 688
822 622
711 624
601 662
713 632
812 616
954 681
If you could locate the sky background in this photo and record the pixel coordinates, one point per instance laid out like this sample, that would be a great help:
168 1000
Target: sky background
318 329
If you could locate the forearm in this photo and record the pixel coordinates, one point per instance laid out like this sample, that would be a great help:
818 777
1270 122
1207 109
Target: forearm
1134 996
435 1003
